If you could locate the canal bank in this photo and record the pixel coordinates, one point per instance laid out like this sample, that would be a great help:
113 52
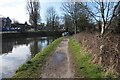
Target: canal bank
31 67
31 34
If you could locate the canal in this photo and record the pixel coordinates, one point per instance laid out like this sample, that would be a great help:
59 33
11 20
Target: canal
17 51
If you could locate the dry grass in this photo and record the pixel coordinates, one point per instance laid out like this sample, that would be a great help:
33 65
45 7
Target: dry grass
110 56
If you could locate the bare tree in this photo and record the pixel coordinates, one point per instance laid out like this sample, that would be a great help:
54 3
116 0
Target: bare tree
52 19
75 11
104 11
33 8
68 23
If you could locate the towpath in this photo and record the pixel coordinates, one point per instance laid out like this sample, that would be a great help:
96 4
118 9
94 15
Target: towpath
59 64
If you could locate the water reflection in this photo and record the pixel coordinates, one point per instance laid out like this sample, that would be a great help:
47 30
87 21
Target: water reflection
17 51
12 60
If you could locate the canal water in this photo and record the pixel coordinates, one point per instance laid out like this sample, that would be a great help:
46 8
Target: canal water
17 51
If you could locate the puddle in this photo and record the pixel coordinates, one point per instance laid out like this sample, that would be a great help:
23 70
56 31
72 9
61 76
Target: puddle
58 58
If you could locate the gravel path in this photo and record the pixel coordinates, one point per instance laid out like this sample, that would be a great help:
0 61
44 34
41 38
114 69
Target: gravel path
58 65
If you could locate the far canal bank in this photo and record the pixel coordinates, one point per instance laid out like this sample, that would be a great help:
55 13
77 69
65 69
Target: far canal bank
6 35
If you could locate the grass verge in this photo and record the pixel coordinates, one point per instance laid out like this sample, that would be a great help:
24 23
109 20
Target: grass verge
31 69
82 62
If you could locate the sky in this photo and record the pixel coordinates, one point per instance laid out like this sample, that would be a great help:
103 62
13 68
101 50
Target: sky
16 9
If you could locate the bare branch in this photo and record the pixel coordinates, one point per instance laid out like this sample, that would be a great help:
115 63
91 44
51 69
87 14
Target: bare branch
33 8
116 6
108 10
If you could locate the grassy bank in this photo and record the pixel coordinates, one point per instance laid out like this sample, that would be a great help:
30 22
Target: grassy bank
82 62
32 68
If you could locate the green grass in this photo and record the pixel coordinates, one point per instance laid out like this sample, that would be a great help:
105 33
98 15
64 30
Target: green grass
82 62
32 67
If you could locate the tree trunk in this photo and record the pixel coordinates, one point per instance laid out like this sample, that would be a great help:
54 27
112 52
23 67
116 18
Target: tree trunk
75 27
102 29
35 27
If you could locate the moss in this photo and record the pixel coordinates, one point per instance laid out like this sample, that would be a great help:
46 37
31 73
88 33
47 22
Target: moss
82 61
31 67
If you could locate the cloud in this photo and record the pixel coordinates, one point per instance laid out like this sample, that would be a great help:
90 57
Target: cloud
10 3
14 9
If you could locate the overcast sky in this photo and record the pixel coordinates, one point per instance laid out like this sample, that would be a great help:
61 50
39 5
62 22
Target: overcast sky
16 9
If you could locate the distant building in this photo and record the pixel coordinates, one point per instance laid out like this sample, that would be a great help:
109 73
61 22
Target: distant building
0 23
22 27
8 22
5 22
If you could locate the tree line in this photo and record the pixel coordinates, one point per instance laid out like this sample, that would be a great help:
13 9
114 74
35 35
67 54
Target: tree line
78 16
